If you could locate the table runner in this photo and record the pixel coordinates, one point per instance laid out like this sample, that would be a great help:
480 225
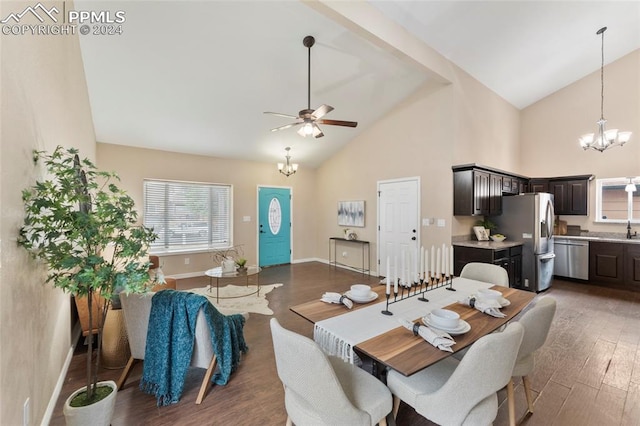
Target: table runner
338 335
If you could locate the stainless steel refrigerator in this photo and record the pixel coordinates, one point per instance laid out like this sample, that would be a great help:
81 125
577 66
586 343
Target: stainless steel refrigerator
528 218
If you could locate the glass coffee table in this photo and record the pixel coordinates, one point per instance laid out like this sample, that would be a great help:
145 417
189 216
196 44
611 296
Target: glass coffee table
217 274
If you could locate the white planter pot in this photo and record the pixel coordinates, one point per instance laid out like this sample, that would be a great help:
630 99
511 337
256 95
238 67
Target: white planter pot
98 414
228 265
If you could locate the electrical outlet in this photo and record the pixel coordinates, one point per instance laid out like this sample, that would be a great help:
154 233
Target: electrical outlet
344 254
25 412
186 260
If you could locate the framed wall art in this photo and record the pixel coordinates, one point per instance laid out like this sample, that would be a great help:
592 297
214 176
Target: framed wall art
351 213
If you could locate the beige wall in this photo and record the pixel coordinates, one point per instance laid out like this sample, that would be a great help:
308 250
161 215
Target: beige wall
439 126
44 104
551 127
133 165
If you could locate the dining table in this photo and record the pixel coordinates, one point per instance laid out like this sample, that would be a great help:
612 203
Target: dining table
364 334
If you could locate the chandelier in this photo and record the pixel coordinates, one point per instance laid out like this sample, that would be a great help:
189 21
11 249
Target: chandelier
287 168
603 139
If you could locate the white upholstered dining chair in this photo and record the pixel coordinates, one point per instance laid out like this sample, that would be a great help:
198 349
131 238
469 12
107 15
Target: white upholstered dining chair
453 392
536 322
486 272
324 390
137 310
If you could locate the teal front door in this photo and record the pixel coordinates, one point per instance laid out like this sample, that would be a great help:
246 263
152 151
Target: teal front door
274 225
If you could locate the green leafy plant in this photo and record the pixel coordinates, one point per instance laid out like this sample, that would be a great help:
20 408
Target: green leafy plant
83 228
487 224
241 262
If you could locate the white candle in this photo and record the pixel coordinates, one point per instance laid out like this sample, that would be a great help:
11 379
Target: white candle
438 263
444 259
451 260
404 271
421 272
446 263
426 265
388 275
414 272
396 276
433 262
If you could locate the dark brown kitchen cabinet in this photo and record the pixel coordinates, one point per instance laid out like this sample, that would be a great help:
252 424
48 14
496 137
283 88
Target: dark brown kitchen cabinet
508 258
606 263
632 266
539 185
477 193
495 195
570 197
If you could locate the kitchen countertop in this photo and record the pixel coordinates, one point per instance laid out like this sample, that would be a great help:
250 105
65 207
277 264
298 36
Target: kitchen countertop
607 237
489 245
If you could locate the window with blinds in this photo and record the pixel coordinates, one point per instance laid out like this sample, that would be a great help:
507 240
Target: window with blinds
188 215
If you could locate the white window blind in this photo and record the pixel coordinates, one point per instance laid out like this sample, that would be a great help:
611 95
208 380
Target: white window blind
187 216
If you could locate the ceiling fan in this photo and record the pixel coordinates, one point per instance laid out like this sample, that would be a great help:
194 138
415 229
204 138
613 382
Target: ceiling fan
308 119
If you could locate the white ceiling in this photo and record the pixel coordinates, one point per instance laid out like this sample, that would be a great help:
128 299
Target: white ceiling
196 77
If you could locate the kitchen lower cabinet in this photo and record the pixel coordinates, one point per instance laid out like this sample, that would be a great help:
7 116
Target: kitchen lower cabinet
632 266
615 264
509 258
606 262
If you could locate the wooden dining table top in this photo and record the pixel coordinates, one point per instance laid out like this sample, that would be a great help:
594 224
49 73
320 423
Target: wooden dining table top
400 349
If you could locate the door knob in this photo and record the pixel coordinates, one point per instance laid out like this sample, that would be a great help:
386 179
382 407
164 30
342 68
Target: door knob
413 238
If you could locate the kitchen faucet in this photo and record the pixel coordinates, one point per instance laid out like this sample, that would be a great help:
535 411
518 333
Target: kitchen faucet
629 234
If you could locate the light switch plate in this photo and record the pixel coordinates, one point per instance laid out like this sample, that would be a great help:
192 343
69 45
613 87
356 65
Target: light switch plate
246 218
441 223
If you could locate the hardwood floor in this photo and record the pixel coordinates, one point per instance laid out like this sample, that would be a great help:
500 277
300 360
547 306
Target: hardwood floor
588 373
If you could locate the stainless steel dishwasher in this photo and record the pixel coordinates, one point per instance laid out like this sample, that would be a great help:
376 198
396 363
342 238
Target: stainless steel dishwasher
572 258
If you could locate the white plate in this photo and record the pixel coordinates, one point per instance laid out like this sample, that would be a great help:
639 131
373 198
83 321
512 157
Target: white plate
372 296
462 328
504 302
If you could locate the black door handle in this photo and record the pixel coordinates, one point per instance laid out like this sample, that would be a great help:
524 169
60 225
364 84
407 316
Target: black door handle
413 238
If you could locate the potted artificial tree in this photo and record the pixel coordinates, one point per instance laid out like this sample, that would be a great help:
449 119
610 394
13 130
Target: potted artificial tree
82 227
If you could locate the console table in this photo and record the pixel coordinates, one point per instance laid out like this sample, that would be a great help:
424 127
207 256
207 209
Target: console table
364 247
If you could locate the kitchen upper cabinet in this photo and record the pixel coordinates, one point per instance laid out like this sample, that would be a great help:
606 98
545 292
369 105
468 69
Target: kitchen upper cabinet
478 192
570 196
495 195
539 185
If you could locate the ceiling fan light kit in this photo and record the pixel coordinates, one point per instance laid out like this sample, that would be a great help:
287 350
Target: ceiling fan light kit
308 119
603 139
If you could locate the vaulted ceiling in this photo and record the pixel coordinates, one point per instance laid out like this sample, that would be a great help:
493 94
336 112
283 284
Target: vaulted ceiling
196 77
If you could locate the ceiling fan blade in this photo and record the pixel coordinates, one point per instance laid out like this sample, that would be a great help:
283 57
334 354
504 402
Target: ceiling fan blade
286 126
321 111
317 133
338 123
280 114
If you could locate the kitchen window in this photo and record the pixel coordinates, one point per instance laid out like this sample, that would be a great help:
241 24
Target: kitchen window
614 204
188 216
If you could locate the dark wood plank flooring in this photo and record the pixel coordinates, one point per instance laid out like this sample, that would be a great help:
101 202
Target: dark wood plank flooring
588 373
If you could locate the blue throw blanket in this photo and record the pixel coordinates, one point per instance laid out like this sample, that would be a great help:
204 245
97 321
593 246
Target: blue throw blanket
170 341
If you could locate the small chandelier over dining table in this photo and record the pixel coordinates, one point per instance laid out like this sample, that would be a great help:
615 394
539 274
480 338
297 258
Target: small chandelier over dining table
603 139
287 168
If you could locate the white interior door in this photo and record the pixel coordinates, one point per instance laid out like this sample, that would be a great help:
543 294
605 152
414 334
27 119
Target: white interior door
398 220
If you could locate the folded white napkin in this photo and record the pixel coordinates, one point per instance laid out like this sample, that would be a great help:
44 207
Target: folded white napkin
331 297
487 306
439 339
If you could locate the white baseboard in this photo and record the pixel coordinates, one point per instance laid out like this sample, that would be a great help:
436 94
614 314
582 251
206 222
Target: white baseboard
75 335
